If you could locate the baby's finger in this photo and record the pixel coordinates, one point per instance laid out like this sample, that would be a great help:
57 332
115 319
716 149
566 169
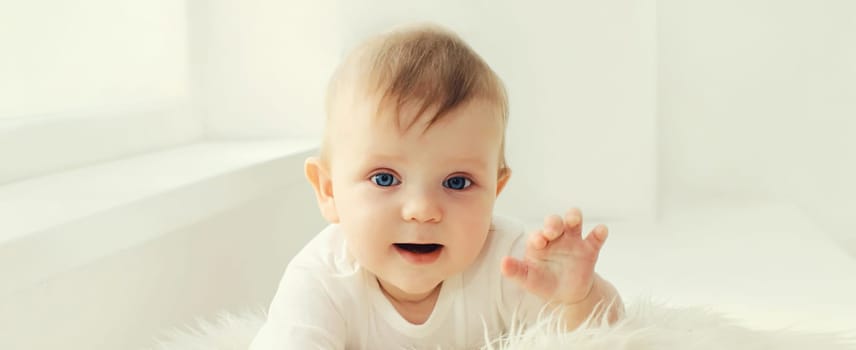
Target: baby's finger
537 240
574 223
597 236
553 227
514 269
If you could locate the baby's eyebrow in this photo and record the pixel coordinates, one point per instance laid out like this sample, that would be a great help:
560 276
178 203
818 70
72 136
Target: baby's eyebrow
469 161
384 158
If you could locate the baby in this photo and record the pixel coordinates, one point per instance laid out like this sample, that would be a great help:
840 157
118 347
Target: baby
410 166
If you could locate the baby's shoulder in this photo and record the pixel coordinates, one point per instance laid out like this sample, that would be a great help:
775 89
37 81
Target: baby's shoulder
507 226
505 231
325 253
504 234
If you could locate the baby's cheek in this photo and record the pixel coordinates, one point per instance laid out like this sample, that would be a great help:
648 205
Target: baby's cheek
360 206
471 237
479 217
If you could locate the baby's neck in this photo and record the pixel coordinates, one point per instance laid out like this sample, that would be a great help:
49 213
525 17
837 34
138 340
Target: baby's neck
415 310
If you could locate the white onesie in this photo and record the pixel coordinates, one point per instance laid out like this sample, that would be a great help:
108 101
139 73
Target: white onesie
327 301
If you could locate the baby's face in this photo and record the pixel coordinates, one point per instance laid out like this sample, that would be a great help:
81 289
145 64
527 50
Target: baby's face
416 207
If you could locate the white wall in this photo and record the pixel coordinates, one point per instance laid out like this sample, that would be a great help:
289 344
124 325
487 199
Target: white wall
85 82
260 67
60 56
583 126
757 101
581 78
824 184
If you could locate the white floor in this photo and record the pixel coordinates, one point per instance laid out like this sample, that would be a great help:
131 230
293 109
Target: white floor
764 264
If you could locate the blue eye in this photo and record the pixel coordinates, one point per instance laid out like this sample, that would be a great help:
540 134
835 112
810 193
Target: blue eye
384 180
457 183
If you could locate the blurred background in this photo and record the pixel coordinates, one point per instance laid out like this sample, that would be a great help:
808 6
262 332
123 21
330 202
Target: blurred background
151 152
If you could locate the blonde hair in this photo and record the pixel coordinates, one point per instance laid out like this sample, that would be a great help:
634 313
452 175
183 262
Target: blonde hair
423 66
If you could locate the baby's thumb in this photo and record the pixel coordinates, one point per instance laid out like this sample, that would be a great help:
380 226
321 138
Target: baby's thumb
514 269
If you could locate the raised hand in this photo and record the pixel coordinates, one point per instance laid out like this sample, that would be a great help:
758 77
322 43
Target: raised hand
558 265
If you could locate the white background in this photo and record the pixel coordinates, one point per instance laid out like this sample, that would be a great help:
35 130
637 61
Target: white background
632 110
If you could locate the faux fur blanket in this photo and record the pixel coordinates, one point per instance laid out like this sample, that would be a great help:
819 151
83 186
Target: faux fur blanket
646 326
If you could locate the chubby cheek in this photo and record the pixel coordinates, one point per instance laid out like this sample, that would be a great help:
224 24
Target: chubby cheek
365 210
366 239
365 230
471 225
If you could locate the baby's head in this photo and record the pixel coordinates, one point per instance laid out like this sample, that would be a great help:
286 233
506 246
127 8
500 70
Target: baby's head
413 156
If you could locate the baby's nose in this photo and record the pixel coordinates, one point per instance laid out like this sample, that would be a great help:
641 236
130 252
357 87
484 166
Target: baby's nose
422 209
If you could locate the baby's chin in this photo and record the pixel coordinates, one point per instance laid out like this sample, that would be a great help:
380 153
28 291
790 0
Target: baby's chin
419 287
413 287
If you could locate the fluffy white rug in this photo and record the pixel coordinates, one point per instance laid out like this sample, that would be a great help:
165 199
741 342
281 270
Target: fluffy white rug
646 326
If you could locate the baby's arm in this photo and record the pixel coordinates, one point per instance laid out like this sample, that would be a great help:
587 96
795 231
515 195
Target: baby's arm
302 316
558 267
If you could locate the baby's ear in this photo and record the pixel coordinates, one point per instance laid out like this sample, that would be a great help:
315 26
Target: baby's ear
504 175
319 177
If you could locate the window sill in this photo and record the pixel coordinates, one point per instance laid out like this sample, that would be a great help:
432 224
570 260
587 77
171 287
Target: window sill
58 222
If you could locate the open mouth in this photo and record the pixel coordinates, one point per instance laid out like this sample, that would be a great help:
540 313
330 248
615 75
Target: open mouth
419 254
419 248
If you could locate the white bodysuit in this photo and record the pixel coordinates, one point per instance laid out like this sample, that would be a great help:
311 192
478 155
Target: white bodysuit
327 301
